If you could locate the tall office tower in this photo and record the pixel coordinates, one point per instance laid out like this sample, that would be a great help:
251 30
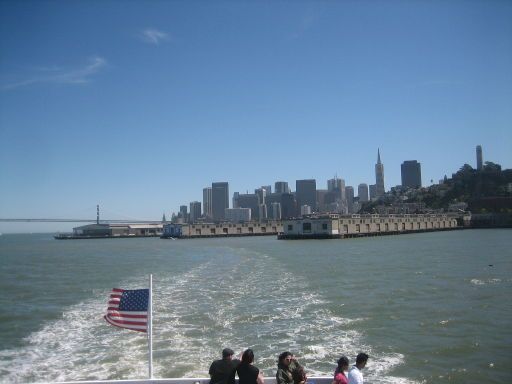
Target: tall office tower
276 211
322 198
220 200
261 193
183 213
262 212
479 159
207 202
379 176
195 211
373 191
411 174
281 187
362 192
288 206
305 193
267 188
349 191
234 203
338 186
247 200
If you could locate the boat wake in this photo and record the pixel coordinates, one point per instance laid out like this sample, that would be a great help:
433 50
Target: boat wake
237 298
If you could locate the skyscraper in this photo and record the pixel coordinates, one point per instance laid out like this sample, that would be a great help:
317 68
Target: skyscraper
249 200
373 191
479 159
379 176
267 188
220 200
349 191
362 192
276 211
183 213
322 197
337 185
207 202
305 192
262 212
288 206
411 174
195 211
281 187
262 194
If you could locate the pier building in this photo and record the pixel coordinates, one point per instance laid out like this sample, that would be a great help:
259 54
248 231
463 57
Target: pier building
252 228
113 231
333 226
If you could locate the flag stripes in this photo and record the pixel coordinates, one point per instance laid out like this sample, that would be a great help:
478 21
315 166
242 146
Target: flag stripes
128 309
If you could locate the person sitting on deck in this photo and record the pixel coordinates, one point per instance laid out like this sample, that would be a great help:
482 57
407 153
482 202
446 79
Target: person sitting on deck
339 374
223 371
355 376
286 364
247 372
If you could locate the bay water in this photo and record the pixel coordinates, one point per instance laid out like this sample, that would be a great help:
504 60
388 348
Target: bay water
427 308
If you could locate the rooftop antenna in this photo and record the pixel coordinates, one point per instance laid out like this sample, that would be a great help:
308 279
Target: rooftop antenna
97 214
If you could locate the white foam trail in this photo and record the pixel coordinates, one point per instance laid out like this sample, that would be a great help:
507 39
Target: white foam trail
77 347
238 299
485 282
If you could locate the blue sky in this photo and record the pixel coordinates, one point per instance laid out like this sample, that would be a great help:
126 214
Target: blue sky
137 106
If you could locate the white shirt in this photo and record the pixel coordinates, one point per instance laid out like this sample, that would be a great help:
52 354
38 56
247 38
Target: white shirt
355 376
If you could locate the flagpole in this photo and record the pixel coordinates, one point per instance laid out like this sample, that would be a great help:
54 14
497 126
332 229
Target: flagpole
150 326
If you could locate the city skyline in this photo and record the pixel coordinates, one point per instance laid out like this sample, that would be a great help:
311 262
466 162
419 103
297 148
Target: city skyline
155 103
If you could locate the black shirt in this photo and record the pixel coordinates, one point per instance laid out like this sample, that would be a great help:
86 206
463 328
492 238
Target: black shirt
223 371
247 374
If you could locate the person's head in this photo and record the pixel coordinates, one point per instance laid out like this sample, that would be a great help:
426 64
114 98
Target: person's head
285 358
248 356
227 353
342 364
361 360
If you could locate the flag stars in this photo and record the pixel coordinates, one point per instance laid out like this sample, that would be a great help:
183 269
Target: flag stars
134 300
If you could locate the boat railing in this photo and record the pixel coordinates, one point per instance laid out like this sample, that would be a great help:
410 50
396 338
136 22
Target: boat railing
187 380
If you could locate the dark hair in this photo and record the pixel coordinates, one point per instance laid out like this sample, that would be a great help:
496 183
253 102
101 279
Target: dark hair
248 356
226 352
284 355
361 358
299 375
342 362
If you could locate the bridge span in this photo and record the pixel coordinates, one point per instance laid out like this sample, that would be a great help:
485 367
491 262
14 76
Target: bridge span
45 220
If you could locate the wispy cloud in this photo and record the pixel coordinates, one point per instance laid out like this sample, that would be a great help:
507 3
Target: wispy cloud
306 22
154 36
58 75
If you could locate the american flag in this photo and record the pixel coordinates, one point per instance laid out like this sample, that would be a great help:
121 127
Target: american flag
128 309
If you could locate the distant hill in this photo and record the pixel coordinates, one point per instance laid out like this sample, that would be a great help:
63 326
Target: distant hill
486 190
